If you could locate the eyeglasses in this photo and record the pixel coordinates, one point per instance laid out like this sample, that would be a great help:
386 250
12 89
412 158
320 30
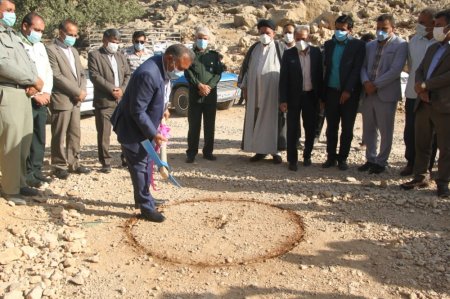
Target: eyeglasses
139 42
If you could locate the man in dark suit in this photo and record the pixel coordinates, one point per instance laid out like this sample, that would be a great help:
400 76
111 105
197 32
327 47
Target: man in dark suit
69 90
433 108
109 73
138 116
300 90
344 57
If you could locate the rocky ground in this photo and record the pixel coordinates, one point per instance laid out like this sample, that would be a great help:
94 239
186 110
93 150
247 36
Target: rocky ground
360 235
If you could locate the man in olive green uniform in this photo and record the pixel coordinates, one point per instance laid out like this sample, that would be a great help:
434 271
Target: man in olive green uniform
203 77
18 81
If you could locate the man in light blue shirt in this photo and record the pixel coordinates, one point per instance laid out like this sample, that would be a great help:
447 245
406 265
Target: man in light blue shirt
417 47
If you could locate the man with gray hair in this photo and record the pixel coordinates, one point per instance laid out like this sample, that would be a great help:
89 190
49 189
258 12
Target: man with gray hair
300 87
138 116
203 77
109 72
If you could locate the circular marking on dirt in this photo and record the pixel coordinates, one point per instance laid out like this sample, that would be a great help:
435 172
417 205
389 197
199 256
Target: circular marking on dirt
218 232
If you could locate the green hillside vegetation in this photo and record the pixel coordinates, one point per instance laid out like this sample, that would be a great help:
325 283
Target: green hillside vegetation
86 13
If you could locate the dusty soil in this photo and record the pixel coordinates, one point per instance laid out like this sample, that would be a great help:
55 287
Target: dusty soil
363 236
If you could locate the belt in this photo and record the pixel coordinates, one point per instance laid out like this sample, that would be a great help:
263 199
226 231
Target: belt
335 89
13 85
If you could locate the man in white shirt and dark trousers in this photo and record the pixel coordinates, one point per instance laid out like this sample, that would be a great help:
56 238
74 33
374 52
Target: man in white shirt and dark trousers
417 47
300 88
30 34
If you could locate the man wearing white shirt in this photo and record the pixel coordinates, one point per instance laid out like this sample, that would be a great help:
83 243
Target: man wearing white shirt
109 73
30 34
417 47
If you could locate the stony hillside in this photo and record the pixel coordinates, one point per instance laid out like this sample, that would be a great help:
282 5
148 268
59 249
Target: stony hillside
233 22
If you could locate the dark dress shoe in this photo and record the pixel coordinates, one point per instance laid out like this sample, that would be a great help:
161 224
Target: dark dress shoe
342 165
365 167
276 159
257 157
293 166
61 174
209 157
307 162
105 169
33 182
376 169
28 191
81 170
443 191
41 177
329 163
415 183
407 171
190 159
153 216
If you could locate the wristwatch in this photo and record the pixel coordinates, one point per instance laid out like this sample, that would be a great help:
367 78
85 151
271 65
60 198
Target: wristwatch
423 85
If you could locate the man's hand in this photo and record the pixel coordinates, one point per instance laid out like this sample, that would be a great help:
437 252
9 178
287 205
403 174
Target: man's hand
424 97
82 96
166 114
344 97
39 84
369 87
203 89
283 107
244 92
159 139
117 93
321 105
418 88
31 91
42 99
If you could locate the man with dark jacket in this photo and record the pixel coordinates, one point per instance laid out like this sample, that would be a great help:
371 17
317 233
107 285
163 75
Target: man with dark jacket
203 77
433 108
138 116
109 73
344 57
300 88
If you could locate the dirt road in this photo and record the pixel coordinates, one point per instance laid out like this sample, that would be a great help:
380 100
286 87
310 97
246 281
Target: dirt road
359 235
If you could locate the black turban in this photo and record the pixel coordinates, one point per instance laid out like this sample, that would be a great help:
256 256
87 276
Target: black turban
266 23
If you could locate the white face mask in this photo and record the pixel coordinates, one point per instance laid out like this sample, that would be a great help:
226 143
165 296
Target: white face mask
421 30
265 39
301 45
289 38
438 34
112 47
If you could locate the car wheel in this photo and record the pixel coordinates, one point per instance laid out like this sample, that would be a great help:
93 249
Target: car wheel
180 100
225 105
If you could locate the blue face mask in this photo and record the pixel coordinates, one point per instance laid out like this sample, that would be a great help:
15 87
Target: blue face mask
9 18
382 36
202 43
139 46
34 37
175 74
69 40
341 35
